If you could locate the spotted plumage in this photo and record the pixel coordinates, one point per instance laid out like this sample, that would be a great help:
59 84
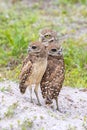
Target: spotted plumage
53 77
33 68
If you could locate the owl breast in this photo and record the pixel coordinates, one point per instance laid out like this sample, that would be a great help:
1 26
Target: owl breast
38 69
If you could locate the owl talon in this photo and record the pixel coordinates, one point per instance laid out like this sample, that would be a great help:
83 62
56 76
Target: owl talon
39 104
59 110
31 101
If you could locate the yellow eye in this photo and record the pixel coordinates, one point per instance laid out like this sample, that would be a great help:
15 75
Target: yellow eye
47 36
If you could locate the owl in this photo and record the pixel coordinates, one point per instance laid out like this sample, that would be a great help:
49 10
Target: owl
33 68
53 77
47 36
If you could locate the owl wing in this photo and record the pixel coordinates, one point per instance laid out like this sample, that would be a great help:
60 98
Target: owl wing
56 69
25 69
26 60
50 71
25 72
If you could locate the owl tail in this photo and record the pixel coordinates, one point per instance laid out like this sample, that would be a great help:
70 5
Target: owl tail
22 85
22 88
48 101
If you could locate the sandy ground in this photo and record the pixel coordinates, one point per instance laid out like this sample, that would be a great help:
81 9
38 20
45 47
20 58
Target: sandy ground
17 113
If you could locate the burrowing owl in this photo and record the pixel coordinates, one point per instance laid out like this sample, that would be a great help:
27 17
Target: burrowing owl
47 36
33 68
53 77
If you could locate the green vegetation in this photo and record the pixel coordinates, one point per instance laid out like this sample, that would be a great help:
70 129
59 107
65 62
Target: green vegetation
11 110
76 61
71 127
73 1
16 29
26 124
84 123
19 25
3 89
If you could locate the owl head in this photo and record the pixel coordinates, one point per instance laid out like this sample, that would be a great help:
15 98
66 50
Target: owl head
48 35
54 49
35 47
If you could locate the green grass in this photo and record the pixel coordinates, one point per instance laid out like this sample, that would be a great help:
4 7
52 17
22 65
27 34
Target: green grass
16 32
19 25
27 124
73 1
11 110
17 29
75 61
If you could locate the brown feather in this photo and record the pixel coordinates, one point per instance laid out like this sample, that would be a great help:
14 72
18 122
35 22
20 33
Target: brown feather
33 67
53 78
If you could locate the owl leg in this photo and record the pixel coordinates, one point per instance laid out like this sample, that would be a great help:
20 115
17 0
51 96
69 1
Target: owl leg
36 93
31 100
57 104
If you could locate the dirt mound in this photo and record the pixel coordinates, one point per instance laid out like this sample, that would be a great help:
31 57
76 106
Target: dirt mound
17 113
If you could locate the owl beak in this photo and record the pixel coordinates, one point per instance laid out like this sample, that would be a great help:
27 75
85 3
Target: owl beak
41 35
45 44
29 49
42 38
51 40
59 52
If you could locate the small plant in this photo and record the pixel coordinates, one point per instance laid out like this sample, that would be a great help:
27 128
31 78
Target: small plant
41 117
42 128
85 122
11 110
26 124
3 89
72 127
52 114
35 117
11 126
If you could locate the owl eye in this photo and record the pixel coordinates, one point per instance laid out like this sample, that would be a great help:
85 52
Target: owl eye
48 36
34 47
53 50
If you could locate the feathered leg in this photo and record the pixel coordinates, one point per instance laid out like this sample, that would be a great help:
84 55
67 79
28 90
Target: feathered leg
36 93
57 104
31 100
